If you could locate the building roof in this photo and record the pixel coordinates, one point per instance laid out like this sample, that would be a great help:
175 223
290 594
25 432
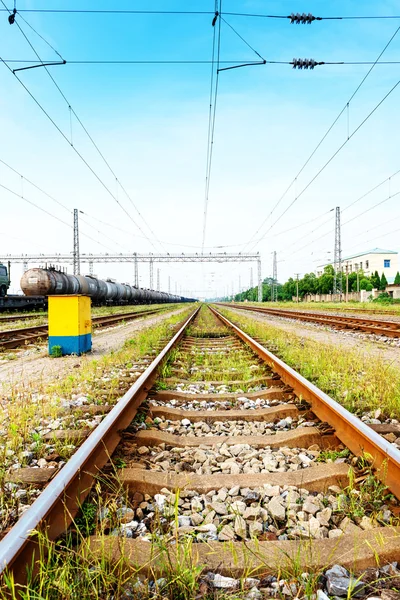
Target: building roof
374 251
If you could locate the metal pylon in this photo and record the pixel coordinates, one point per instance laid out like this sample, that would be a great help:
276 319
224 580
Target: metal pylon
337 265
76 257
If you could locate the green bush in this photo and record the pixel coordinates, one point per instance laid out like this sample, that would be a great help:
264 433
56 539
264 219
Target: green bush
56 352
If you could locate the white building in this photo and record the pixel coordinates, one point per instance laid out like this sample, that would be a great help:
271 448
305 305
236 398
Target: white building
383 261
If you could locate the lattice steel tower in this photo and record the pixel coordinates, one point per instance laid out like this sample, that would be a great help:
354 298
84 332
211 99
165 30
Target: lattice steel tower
274 286
337 266
76 257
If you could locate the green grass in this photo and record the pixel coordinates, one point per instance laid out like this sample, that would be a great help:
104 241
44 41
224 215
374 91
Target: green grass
358 383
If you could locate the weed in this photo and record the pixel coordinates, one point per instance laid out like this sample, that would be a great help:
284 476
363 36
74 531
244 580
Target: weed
332 455
56 352
344 374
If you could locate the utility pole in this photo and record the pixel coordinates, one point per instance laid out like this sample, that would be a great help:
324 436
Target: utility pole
347 282
158 280
169 284
136 272
240 289
151 265
259 296
337 264
297 287
358 281
76 257
274 286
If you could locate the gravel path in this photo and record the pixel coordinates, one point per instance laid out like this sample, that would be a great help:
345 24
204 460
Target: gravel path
34 366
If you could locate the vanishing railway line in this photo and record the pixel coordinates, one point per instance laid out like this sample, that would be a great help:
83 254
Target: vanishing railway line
361 324
219 440
14 338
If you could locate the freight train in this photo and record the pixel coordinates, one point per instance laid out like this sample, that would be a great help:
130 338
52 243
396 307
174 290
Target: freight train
37 284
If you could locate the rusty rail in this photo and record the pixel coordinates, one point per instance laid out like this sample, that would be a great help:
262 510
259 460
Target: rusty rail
61 499
355 434
387 328
14 338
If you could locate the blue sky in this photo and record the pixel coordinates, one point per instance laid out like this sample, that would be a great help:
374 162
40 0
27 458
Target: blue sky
150 121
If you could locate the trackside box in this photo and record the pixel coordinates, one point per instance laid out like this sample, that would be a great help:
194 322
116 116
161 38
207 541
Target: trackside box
70 324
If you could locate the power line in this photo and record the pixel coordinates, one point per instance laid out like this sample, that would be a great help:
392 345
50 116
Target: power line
213 100
35 205
239 63
35 186
50 214
371 190
85 130
346 222
212 111
346 107
293 17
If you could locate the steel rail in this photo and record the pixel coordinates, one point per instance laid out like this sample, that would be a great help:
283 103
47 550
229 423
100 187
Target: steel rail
351 431
11 318
388 328
60 501
13 338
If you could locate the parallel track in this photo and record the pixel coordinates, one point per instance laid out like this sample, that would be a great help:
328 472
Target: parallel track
14 338
365 325
61 499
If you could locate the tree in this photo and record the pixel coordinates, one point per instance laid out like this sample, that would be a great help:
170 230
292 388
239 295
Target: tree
376 281
365 284
397 278
383 282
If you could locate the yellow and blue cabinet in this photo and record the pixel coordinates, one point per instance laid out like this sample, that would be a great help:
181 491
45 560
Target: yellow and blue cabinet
70 324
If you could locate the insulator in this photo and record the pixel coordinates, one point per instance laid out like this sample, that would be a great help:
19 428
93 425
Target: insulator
305 63
303 18
11 18
215 18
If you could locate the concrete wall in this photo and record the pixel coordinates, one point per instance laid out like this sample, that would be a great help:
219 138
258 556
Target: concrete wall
362 296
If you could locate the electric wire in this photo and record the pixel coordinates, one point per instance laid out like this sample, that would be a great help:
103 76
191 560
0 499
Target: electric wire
347 222
23 178
35 205
320 143
212 113
35 186
87 133
237 63
388 179
242 38
192 12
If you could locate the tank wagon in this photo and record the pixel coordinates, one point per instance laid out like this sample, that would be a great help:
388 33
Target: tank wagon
50 282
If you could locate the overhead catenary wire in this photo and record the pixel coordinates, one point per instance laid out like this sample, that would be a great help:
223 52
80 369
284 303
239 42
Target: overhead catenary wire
85 130
35 186
42 191
352 203
359 215
293 17
213 99
214 81
303 64
345 107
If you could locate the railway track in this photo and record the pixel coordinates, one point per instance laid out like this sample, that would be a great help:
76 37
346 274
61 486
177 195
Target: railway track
12 318
219 442
365 325
14 338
